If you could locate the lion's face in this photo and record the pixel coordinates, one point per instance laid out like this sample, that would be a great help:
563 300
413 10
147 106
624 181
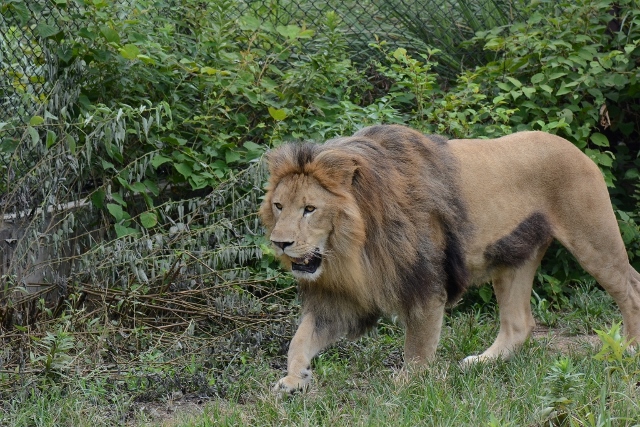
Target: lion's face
302 213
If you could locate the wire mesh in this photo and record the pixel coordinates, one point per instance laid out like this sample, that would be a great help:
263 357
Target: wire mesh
40 80
28 71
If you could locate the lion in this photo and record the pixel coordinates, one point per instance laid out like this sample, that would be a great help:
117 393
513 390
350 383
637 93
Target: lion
393 222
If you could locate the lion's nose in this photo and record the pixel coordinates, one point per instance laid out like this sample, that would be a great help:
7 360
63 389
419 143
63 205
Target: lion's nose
282 245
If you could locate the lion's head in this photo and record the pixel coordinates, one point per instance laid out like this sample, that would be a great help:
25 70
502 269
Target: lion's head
309 211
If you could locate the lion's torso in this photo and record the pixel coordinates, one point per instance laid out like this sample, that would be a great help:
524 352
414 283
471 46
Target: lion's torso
504 181
414 217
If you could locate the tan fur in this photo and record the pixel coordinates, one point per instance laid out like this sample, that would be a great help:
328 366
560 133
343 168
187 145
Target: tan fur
403 223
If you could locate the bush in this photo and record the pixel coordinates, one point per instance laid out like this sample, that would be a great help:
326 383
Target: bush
570 69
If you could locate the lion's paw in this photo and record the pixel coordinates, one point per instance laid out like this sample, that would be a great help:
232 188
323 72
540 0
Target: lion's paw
293 384
472 360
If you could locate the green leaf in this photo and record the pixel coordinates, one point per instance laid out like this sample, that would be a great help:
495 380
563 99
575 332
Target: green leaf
20 10
623 215
110 34
632 173
122 230
250 23
208 70
306 34
35 136
563 90
251 96
65 54
528 91
107 165
515 82
8 145
537 78
289 31
276 114
148 200
231 156
71 144
159 160
118 199
184 168
554 76
51 138
567 115
46 30
97 198
152 187
485 293
36 120
252 146
599 139
116 211
138 187
123 182
129 51
148 219
197 182
87 34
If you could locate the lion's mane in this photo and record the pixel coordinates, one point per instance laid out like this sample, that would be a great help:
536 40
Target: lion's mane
399 233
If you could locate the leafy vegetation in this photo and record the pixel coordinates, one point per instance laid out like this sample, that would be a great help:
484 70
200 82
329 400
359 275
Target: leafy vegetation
449 26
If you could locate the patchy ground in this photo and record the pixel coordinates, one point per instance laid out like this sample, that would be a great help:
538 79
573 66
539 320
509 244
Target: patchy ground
565 343
178 408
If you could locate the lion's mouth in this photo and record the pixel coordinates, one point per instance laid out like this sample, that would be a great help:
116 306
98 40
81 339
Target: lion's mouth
307 264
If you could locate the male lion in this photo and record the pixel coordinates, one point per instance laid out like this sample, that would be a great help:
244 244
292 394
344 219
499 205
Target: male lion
390 221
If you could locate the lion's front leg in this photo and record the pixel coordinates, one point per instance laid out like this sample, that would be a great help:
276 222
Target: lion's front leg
423 328
308 340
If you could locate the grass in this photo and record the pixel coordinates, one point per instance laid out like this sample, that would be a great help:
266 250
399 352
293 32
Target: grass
553 380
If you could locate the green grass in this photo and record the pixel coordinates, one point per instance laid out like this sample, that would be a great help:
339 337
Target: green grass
360 383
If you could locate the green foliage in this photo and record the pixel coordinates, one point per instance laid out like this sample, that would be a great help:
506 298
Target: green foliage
615 347
448 26
568 74
562 384
56 358
463 111
563 70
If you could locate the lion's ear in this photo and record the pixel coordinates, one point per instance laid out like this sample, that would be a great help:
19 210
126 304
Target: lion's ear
335 166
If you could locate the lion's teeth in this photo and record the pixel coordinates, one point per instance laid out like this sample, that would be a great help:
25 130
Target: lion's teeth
306 261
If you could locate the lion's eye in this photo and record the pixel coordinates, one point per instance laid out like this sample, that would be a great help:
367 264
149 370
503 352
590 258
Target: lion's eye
309 209
278 206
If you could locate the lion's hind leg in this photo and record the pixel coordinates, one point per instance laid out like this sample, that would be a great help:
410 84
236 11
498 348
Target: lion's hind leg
601 252
632 319
623 284
512 287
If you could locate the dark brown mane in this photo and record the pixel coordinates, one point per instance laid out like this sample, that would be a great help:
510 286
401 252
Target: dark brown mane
403 186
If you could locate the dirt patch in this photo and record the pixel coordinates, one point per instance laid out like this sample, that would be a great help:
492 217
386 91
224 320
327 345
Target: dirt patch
167 412
563 343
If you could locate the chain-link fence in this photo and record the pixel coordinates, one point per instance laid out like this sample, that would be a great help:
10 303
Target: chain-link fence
42 77
29 72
